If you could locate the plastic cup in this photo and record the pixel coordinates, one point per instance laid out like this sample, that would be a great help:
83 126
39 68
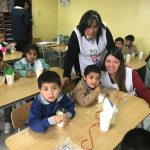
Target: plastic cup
101 97
114 116
2 80
105 120
4 53
38 72
61 124
128 57
133 54
10 79
140 54
12 51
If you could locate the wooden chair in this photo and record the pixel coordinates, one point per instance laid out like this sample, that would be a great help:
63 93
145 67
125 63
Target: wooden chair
19 116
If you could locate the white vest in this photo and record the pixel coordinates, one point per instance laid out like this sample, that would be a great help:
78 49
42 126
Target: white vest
90 52
106 81
37 63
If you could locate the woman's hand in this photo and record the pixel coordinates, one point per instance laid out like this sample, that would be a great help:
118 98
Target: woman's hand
65 81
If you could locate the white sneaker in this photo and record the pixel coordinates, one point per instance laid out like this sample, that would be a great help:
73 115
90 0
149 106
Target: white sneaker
8 128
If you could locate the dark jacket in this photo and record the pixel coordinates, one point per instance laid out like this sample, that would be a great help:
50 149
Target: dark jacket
40 112
20 20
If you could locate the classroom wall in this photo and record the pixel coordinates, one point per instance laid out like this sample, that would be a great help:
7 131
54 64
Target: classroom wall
122 18
45 18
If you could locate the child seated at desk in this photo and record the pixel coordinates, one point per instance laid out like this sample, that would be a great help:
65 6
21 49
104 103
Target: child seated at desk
3 44
129 47
87 90
27 65
119 42
7 111
43 111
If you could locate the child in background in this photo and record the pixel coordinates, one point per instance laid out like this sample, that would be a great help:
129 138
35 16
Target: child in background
129 47
3 44
119 42
87 90
136 139
43 111
27 65
7 110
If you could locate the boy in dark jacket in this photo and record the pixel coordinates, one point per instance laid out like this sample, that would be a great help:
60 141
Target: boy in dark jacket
43 111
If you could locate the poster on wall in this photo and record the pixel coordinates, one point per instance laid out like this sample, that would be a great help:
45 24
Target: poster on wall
64 3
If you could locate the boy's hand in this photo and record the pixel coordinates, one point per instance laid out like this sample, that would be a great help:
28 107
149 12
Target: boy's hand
58 118
65 119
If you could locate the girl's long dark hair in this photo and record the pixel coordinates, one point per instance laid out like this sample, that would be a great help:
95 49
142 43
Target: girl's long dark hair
121 75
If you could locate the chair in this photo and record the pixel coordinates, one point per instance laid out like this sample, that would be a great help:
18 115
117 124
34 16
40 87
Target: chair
19 116
59 52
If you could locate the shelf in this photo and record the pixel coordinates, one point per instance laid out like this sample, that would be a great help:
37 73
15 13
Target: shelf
5 26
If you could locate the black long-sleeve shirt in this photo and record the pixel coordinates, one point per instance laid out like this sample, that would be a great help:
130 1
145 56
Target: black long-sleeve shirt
72 59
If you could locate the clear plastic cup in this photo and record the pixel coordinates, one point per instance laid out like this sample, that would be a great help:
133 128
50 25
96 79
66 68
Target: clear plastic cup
101 97
140 54
128 57
60 112
10 79
38 72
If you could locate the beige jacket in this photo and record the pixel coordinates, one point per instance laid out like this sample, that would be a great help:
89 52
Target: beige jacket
84 95
127 50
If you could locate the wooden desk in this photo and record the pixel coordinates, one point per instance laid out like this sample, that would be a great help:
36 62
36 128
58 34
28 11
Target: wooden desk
137 63
21 89
13 57
77 129
24 88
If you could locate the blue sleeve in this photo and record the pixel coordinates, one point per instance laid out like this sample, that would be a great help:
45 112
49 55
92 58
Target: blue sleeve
18 66
36 121
44 65
69 105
